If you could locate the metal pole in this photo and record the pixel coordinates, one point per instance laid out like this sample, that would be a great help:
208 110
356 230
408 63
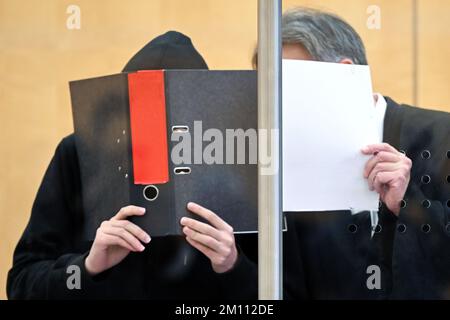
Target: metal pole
415 52
269 118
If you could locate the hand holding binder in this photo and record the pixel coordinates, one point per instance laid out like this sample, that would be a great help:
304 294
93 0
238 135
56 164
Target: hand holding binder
115 239
215 240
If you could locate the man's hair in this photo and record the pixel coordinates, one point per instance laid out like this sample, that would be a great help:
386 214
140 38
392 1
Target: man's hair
325 36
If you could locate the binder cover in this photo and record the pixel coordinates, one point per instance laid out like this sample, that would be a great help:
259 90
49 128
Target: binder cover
124 125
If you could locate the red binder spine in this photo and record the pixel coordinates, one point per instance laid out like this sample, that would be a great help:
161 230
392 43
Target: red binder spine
148 127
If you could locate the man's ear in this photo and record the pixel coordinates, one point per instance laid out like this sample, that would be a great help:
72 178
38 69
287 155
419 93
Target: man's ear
346 61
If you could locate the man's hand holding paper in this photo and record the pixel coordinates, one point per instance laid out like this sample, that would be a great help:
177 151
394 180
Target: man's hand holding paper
388 173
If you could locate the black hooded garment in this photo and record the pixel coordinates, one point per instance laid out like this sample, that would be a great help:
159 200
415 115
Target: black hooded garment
169 268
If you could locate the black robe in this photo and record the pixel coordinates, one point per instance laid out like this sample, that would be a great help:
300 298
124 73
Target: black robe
169 268
327 255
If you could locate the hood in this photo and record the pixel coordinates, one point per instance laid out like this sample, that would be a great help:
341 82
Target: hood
172 50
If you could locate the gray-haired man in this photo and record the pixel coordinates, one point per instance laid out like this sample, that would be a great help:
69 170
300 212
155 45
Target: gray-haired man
332 255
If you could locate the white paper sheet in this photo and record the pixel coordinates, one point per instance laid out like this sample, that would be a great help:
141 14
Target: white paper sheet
328 117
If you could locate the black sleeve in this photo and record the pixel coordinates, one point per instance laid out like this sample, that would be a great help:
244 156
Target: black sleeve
294 282
49 243
241 282
425 235
421 259
420 255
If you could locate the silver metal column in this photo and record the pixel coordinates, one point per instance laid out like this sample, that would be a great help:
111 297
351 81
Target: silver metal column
269 118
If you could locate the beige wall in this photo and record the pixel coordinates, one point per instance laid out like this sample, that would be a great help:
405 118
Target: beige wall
39 55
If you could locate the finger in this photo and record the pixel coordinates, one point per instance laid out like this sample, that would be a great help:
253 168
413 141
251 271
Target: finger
386 177
110 240
125 235
202 248
382 180
381 167
205 240
209 216
378 147
133 229
128 211
201 227
382 156
379 186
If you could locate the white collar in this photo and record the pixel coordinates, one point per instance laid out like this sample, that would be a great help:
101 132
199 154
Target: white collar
380 110
380 104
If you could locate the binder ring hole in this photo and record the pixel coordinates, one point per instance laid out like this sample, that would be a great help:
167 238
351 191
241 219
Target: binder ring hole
150 193
182 170
180 129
